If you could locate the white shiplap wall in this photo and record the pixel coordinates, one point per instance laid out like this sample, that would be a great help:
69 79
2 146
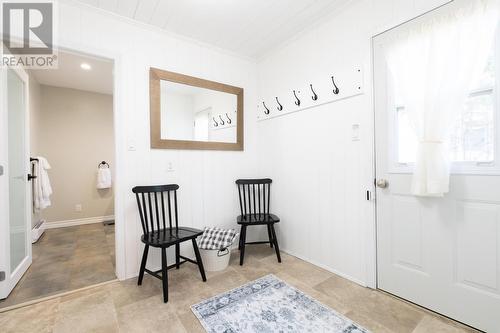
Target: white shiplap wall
321 175
207 195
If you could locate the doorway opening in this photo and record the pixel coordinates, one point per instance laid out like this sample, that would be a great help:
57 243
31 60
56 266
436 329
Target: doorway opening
71 149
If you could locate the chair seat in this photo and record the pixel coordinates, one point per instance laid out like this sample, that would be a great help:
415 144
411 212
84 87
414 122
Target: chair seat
170 236
257 219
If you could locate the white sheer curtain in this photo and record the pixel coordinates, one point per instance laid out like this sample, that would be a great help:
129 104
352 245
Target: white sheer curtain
433 65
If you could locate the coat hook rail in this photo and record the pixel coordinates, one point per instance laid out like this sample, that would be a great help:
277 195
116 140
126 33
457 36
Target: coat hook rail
297 100
266 111
314 96
216 124
295 96
336 89
222 122
229 121
280 107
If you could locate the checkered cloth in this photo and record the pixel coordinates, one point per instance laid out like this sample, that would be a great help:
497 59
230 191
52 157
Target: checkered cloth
216 239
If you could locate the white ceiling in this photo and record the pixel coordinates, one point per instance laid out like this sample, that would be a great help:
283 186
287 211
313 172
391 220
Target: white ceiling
247 27
70 75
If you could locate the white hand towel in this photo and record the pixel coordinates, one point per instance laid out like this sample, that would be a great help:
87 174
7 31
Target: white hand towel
103 178
41 184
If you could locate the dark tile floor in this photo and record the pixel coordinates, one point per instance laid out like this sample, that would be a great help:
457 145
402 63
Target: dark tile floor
66 259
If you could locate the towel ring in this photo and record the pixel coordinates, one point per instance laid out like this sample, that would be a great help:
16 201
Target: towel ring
103 164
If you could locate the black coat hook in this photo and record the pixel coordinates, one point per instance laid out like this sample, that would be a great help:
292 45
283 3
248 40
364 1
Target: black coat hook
336 89
297 102
314 96
280 107
221 120
216 124
229 121
267 110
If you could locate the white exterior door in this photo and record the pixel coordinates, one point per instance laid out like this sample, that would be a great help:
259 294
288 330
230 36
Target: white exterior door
441 253
15 194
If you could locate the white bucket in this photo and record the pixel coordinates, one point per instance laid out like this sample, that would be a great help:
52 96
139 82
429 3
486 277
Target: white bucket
215 260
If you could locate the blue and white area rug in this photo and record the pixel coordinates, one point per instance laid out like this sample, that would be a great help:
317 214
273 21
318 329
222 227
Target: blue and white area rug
269 305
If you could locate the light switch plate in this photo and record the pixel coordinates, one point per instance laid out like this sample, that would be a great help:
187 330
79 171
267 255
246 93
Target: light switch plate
355 132
131 144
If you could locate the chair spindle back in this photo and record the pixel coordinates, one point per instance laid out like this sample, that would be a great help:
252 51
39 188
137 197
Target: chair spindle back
157 204
255 196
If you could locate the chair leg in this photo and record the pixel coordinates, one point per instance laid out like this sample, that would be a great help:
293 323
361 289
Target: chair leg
177 255
269 233
164 274
143 264
243 241
276 247
198 260
239 242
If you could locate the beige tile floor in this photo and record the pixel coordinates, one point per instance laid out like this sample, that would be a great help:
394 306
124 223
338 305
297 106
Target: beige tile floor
67 259
125 307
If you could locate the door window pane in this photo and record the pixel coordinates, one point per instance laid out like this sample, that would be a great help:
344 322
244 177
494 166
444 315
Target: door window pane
472 136
17 180
406 138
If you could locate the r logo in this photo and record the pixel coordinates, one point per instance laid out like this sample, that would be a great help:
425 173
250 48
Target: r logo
32 23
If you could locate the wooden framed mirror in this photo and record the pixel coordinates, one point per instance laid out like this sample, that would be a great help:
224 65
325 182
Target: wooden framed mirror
191 113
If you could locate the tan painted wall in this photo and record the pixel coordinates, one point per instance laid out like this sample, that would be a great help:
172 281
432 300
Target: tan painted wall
34 105
74 131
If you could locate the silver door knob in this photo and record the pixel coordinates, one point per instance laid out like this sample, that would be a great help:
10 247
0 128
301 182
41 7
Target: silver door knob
382 183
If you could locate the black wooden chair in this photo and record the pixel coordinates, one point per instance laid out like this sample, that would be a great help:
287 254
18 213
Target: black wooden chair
156 205
255 198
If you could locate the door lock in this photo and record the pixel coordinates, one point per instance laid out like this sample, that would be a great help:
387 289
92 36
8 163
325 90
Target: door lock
382 183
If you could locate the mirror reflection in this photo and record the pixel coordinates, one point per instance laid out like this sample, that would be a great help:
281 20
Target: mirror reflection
197 114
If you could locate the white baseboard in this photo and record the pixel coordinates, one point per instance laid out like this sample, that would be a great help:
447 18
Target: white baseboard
331 270
72 223
38 230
